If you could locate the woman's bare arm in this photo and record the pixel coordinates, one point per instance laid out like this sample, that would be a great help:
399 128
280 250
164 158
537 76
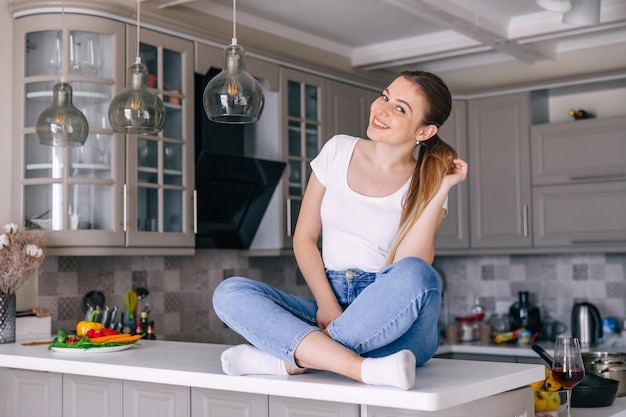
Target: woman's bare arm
308 256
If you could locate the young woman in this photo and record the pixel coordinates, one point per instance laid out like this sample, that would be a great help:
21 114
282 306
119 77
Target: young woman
377 204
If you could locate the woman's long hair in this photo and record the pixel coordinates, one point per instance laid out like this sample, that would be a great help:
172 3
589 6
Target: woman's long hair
434 155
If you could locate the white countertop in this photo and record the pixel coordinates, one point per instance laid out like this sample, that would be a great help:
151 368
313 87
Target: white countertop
440 383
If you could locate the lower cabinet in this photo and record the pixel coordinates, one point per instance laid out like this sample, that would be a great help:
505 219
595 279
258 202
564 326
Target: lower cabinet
215 403
145 399
48 394
98 397
26 393
30 393
298 407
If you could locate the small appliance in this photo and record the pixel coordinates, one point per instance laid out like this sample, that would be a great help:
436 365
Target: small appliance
586 323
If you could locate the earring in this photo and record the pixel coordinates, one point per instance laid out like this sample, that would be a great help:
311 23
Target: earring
417 143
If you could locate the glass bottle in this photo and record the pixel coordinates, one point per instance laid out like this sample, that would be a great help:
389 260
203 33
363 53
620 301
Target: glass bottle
150 331
524 314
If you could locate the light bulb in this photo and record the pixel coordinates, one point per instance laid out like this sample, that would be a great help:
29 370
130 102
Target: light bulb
136 109
62 124
233 95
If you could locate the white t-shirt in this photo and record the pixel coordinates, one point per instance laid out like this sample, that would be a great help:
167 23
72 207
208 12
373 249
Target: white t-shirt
357 230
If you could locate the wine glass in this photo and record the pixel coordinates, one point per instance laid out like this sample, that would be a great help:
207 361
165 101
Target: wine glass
568 368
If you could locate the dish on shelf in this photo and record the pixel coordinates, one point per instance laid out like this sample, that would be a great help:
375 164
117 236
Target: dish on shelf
43 223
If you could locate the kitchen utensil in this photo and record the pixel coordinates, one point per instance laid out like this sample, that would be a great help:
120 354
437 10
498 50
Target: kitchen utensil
611 365
130 302
586 323
93 299
88 313
593 391
105 317
112 321
568 368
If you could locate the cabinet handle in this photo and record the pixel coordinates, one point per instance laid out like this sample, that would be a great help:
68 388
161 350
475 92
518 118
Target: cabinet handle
288 217
195 212
125 219
597 177
599 242
525 220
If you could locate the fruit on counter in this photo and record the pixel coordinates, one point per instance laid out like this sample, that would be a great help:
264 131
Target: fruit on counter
547 401
545 393
84 326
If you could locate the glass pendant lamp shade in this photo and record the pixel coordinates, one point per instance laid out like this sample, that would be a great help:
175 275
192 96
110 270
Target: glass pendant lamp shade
136 109
62 124
233 95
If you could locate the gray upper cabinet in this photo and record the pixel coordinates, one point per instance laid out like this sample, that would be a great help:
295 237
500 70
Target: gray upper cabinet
499 172
579 184
115 194
348 109
579 151
454 231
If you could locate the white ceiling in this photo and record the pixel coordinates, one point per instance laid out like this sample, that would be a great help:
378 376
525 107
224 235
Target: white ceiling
472 44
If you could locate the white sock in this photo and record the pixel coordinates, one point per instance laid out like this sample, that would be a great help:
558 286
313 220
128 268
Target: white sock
397 370
246 360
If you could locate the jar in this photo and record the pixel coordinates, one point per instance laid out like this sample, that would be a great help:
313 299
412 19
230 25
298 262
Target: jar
469 329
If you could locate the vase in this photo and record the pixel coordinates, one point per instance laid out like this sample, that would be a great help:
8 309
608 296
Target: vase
7 318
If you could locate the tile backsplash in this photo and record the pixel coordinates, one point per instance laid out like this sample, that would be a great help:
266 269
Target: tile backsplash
181 287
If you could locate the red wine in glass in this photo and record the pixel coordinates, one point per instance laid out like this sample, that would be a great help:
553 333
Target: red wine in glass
569 377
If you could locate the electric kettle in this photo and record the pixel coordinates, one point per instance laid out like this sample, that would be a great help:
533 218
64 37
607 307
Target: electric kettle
586 324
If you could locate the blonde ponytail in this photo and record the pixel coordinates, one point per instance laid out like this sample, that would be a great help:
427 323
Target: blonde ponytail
433 162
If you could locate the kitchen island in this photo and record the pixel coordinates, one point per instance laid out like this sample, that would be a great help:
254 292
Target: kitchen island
442 385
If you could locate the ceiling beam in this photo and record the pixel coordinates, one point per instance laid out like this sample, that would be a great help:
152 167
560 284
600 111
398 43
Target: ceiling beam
451 16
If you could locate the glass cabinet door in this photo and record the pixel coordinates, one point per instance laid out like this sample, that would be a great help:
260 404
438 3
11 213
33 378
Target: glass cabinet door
71 191
162 174
304 137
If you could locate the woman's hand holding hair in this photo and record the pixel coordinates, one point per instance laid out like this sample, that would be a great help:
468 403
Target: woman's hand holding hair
457 172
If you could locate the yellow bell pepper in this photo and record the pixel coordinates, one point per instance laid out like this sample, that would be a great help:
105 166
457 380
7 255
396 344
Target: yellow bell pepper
84 326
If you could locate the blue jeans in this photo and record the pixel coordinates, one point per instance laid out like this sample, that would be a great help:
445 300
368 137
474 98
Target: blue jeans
385 312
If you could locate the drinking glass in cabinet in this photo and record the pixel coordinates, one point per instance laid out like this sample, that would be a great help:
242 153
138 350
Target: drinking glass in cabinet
43 53
91 159
172 210
312 139
89 206
147 209
147 159
42 161
295 178
172 163
86 53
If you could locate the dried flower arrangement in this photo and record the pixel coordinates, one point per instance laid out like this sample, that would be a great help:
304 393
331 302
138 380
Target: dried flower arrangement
21 252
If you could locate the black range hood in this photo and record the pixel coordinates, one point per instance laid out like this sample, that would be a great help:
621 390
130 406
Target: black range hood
233 194
233 190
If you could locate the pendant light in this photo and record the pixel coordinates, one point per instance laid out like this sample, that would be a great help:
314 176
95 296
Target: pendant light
136 109
233 95
62 124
